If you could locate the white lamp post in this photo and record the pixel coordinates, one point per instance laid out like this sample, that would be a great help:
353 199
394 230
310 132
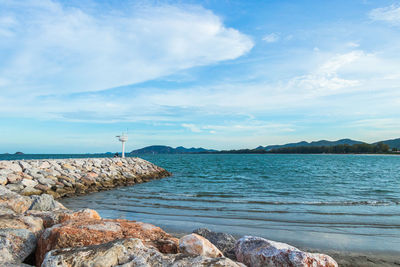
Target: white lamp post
122 138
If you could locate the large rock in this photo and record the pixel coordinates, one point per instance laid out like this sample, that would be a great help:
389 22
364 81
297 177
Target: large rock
194 244
9 165
45 202
224 242
19 221
18 237
28 182
86 232
257 251
127 252
51 218
16 245
3 180
13 201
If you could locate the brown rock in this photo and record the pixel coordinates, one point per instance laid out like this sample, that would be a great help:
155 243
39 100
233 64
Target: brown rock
14 201
92 175
85 232
51 218
41 187
14 178
18 221
195 244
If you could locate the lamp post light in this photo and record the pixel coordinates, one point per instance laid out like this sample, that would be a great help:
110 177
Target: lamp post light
122 138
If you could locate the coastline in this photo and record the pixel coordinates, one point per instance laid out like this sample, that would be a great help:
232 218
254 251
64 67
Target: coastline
37 230
343 258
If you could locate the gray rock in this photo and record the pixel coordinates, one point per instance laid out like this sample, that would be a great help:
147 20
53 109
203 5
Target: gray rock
28 182
16 265
46 181
24 165
16 245
257 251
5 172
224 242
45 202
10 200
14 178
29 191
15 187
10 165
44 165
127 252
3 180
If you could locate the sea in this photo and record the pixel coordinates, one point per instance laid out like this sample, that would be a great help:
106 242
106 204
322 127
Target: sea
339 202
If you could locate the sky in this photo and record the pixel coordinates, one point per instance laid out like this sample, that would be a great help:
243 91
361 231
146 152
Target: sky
220 74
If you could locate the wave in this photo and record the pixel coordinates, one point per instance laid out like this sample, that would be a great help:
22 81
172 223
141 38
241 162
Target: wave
232 200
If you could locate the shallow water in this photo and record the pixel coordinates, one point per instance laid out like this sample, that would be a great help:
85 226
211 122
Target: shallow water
343 202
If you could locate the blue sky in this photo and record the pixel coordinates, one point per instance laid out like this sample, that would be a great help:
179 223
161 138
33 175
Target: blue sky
217 74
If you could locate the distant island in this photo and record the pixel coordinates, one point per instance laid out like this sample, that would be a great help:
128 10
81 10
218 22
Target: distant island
342 146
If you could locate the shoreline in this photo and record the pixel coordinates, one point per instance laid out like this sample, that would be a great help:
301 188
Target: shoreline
344 259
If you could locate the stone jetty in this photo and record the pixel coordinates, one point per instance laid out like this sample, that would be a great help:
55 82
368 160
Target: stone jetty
68 177
37 230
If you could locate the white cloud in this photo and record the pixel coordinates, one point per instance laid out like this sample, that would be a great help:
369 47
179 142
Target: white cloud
325 79
390 14
353 44
271 38
191 127
47 47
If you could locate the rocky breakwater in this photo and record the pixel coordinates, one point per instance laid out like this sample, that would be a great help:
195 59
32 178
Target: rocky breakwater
67 177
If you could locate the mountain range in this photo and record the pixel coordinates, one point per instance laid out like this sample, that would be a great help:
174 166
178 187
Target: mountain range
313 143
159 149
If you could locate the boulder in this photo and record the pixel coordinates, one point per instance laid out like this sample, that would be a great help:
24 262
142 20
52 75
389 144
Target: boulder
127 252
24 165
44 165
5 164
18 237
14 178
45 202
51 218
16 245
224 242
14 201
19 221
3 180
28 182
257 251
85 232
194 244
29 191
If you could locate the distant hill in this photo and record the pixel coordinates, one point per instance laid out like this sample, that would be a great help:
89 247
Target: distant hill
313 143
392 143
159 149
169 150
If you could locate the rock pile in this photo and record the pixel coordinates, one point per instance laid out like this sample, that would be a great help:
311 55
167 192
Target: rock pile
67 177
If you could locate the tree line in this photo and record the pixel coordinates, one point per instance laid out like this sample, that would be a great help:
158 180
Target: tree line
337 149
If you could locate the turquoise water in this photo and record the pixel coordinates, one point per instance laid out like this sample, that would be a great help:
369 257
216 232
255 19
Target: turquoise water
343 202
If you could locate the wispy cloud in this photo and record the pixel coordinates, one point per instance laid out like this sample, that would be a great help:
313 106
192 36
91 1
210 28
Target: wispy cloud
390 14
48 47
271 38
